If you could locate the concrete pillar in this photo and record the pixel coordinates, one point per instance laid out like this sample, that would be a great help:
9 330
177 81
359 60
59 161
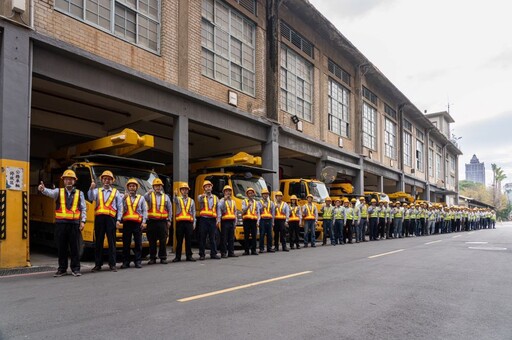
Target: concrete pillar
400 185
426 195
270 157
414 193
380 183
15 96
180 152
359 179
318 168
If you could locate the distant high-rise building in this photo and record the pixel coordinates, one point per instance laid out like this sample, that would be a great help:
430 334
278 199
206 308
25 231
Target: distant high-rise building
475 171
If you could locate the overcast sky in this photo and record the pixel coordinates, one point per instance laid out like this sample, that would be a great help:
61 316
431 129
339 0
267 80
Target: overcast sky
438 52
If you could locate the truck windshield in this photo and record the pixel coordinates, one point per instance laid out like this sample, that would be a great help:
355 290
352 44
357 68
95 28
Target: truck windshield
241 183
122 175
383 197
318 190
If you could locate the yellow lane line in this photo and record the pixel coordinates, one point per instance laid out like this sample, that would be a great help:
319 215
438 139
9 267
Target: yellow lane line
217 292
388 253
434 241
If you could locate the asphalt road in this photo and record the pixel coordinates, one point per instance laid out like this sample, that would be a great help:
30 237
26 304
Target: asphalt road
434 287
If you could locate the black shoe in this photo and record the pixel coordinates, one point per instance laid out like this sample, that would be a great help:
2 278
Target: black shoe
152 261
271 251
191 259
254 253
245 253
291 247
113 268
286 249
223 256
232 255
313 246
125 265
262 251
60 273
298 247
201 258
138 265
76 273
276 249
305 246
176 260
215 257
95 269
163 261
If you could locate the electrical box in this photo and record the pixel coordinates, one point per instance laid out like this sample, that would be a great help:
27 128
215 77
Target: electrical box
19 6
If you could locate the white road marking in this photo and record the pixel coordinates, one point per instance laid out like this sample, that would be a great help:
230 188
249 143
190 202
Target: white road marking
388 253
217 292
456 236
488 248
476 242
434 241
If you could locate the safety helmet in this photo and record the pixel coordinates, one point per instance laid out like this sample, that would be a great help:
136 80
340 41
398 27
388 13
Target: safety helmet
278 193
361 198
353 200
227 187
183 186
157 181
404 205
250 189
373 200
293 197
337 199
264 191
134 181
69 174
309 195
207 182
328 199
107 173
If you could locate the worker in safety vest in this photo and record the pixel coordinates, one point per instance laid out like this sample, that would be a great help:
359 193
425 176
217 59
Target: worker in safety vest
159 221
109 213
349 221
185 222
294 221
207 203
135 214
226 221
382 219
339 219
70 216
363 224
398 220
266 209
357 218
373 213
309 220
282 213
327 215
250 216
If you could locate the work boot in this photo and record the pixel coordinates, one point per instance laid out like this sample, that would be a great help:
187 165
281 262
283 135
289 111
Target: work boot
152 261
125 265
138 265
191 259
113 269
163 261
60 273
95 269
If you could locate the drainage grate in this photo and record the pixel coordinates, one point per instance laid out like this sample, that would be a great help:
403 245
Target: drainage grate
27 270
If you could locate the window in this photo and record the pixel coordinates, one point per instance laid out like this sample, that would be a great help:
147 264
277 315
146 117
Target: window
249 5
136 21
369 127
296 84
438 166
407 148
296 39
420 135
338 72
369 95
452 163
419 155
390 139
338 109
228 46
452 181
407 125
431 162
389 111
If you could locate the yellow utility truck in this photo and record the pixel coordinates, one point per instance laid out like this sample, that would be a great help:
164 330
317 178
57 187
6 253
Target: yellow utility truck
89 160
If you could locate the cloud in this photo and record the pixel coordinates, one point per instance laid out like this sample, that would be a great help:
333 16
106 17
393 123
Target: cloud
502 60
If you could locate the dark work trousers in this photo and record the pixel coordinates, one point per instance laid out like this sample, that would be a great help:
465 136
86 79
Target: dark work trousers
338 231
227 237
423 224
131 228
157 231
265 229
67 234
105 224
406 227
387 228
347 232
207 226
279 233
294 233
184 229
381 227
250 231
373 228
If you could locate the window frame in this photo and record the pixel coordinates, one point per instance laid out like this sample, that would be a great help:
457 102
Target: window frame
407 148
372 123
419 158
390 144
342 121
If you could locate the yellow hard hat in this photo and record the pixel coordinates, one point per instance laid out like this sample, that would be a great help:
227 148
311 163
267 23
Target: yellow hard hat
227 187
337 199
293 197
345 200
250 189
107 173
207 182
353 200
278 193
264 191
361 198
309 196
134 181
404 205
373 200
328 199
184 186
69 174
157 181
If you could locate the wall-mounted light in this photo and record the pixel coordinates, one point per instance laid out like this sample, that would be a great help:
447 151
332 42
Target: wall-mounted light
295 119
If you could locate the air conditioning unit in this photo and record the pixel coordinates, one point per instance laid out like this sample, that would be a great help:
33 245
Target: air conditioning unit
19 6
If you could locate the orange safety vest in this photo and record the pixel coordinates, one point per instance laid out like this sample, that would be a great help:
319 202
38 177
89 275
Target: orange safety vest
63 213
131 213
310 214
185 214
206 211
105 208
266 211
159 213
229 215
251 213
279 212
294 217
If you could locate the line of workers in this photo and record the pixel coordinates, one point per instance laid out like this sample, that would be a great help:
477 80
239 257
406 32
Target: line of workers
343 222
